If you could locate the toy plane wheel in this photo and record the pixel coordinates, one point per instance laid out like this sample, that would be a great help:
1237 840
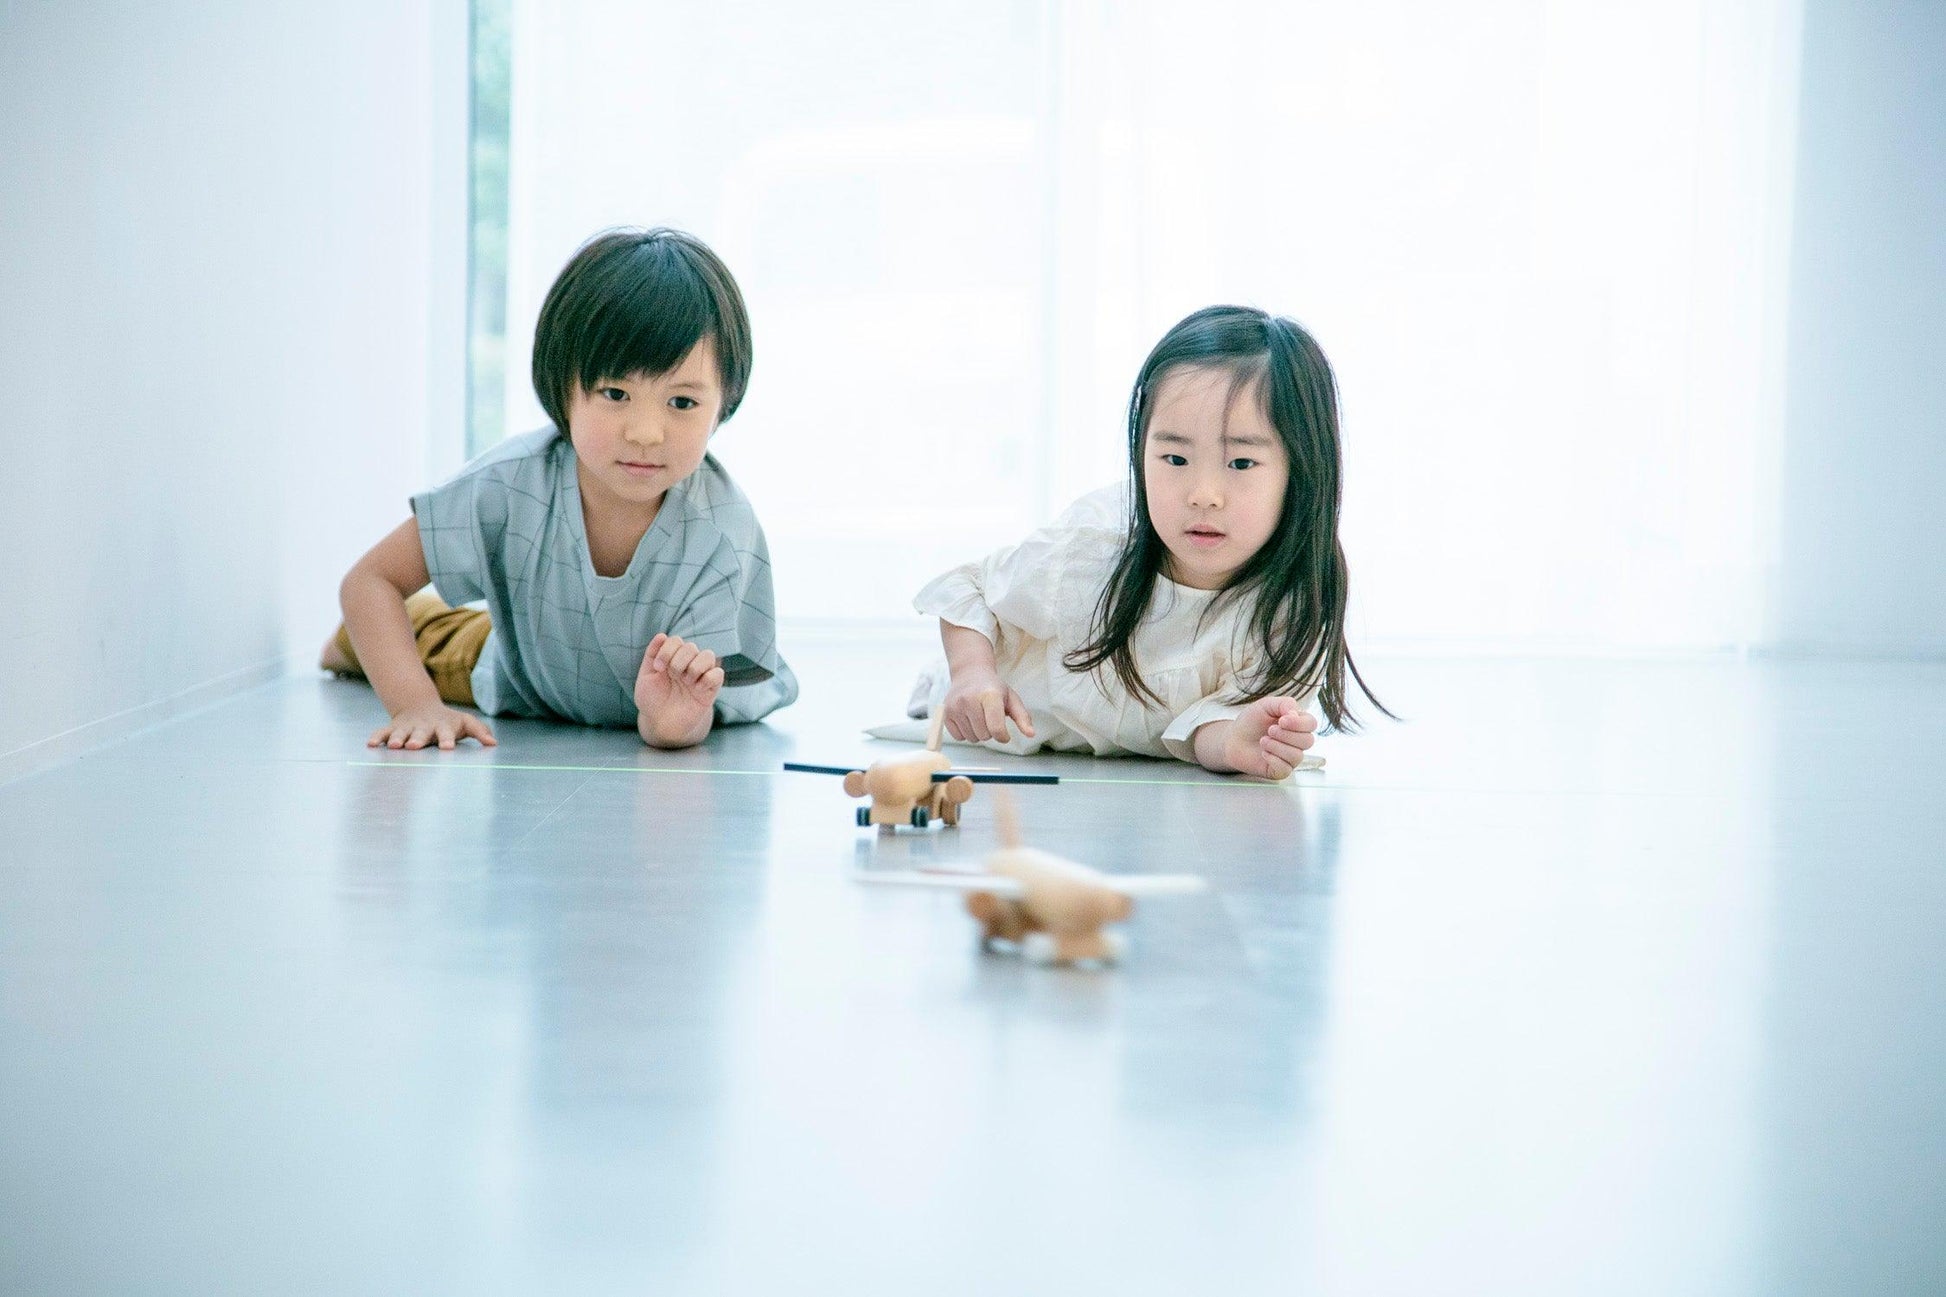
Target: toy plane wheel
920 817
864 817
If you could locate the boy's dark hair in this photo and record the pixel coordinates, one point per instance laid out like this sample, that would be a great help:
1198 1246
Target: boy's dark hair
1298 580
634 302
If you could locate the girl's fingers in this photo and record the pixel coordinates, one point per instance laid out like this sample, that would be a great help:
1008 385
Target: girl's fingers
1299 719
993 711
379 736
1289 753
480 730
1291 734
1018 710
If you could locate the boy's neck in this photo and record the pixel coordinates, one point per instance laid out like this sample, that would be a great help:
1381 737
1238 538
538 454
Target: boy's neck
614 527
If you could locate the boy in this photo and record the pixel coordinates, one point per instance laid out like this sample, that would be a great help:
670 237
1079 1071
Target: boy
618 561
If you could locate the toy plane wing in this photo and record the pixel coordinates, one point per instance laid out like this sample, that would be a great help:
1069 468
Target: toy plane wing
978 774
972 880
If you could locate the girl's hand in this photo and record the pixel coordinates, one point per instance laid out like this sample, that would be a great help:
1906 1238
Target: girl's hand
1269 737
675 692
978 706
415 727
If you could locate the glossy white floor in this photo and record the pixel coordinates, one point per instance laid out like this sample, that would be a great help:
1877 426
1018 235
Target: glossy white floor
1594 977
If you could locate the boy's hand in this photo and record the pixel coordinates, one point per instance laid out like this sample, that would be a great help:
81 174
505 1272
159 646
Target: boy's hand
978 706
675 692
1268 738
415 727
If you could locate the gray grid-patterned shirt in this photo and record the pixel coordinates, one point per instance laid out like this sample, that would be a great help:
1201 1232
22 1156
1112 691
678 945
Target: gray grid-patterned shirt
568 643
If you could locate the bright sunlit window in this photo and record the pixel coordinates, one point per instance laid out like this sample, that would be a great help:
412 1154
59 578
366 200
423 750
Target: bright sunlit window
1542 245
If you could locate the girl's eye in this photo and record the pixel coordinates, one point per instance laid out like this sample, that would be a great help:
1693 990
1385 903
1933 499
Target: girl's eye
683 402
1243 463
1174 461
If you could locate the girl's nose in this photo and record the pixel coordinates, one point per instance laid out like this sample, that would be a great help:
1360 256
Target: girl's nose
1207 493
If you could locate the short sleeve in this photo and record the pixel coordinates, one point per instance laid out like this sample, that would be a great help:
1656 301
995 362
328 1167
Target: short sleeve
451 533
1180 737
732 610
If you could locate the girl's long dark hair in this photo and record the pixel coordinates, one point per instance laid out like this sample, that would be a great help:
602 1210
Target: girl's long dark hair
1298 579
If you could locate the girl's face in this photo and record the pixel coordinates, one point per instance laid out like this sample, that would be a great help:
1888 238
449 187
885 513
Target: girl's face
637 436
1215 471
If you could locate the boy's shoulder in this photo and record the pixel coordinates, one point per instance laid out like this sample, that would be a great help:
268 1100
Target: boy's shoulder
536 452
711 496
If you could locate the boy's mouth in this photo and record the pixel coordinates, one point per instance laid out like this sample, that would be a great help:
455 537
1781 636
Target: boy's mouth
634 469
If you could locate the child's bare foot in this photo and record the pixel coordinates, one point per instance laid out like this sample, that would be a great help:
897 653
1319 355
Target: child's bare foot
333 658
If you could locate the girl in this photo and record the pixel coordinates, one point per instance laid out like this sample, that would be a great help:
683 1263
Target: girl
1195 612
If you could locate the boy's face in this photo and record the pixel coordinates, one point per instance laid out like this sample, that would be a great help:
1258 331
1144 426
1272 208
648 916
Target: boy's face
638 435
1215 471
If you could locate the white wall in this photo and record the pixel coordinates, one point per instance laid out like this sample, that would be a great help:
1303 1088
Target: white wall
1862 534
231 304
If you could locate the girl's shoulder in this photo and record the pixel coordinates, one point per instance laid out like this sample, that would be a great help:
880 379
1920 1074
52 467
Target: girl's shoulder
1105 509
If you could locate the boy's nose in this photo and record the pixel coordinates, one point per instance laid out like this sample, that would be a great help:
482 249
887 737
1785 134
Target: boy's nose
645 432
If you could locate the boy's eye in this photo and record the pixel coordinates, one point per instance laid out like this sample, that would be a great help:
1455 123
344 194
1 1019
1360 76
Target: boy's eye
1243 463
683 402
611 394
1174 461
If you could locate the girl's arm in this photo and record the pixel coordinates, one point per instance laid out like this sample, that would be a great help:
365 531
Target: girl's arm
1266 739
372 596
978 703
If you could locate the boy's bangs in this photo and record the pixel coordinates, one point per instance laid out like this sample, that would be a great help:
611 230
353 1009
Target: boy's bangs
662 309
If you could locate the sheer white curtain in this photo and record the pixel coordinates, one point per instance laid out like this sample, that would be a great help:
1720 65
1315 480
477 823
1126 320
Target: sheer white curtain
1543 244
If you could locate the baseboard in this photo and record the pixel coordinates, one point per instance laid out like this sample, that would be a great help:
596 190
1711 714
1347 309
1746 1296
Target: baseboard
42 753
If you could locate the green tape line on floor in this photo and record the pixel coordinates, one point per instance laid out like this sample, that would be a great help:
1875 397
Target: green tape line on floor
679 770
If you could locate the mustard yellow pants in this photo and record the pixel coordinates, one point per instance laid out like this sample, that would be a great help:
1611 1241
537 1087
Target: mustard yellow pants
449 639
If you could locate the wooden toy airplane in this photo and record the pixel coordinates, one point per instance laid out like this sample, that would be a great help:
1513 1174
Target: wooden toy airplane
1052 909
917 788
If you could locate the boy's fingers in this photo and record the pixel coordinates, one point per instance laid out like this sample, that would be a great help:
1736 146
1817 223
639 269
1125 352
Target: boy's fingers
712 679
705 660
480 730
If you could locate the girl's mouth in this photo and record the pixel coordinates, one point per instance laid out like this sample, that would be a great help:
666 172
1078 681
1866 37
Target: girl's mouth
1204 537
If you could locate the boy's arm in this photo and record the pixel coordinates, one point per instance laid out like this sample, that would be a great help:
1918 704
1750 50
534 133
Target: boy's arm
372 596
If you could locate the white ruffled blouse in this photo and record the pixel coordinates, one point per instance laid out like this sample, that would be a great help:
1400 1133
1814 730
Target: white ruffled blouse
1036 602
